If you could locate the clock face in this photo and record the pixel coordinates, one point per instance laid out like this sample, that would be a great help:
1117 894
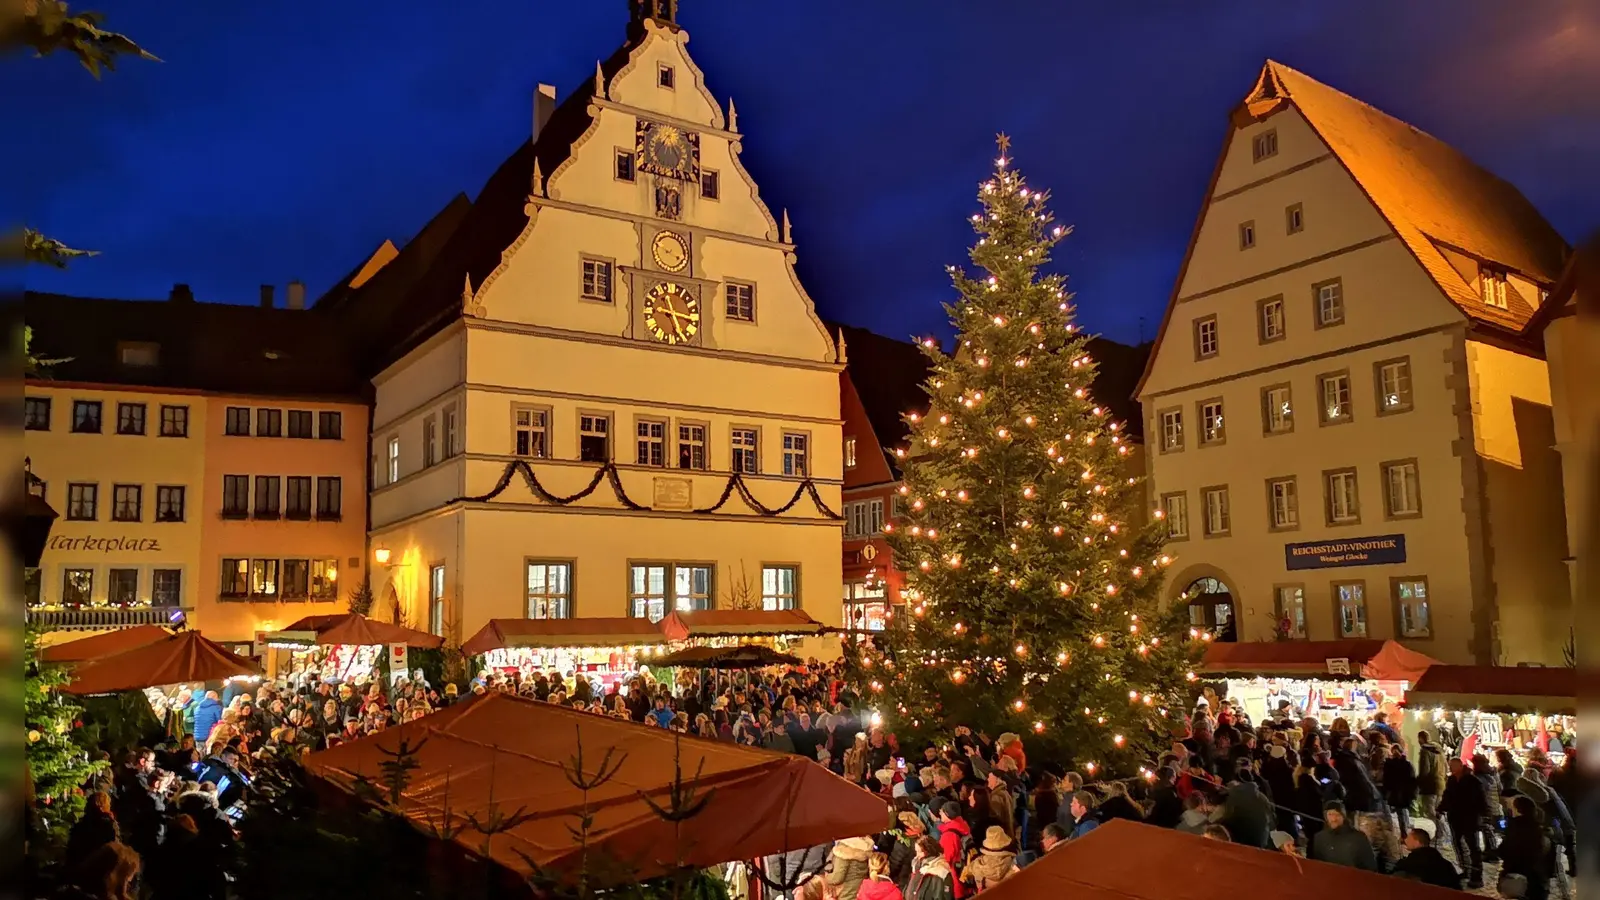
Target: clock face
667 150
671 314
670 251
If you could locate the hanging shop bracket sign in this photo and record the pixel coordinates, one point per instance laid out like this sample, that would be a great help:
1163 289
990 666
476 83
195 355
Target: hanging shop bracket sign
1339 666
1378 550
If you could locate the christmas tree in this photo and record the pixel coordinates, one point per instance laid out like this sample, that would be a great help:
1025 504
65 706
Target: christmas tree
58 766
1033 607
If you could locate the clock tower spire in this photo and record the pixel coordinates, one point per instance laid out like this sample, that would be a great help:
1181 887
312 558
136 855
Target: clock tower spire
664 11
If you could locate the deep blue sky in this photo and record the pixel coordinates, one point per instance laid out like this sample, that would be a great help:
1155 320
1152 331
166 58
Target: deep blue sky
280 141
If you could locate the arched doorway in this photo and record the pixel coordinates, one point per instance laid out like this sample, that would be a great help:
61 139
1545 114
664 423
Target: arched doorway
1212 607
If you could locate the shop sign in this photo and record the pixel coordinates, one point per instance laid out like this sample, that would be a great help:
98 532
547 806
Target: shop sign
92 543
397 662
672 493
1379 550
1338 666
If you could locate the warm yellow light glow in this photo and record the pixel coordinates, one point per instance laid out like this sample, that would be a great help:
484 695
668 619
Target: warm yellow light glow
382 556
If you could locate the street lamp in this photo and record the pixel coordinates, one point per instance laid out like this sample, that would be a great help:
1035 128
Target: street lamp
381 555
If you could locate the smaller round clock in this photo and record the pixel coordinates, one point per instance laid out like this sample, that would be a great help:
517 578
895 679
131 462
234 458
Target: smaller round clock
670 251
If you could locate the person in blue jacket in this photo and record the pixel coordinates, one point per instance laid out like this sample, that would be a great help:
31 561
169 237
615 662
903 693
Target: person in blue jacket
207 713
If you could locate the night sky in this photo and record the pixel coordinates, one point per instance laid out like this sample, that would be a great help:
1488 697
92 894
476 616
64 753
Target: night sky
280 141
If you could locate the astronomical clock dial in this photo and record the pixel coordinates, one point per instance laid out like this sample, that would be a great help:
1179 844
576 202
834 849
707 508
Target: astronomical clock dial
667 150
670 252
671 313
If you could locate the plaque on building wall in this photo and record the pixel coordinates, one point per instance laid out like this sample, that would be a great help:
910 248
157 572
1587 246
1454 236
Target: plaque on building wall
1378 550
672 493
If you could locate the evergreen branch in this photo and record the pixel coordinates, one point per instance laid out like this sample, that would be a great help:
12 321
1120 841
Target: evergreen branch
46 26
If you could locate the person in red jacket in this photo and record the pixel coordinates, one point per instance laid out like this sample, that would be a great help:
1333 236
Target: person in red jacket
878 886
955 837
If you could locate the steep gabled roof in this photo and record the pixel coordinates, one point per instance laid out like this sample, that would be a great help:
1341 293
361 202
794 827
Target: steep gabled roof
219 347
1430 193
432 299
888 377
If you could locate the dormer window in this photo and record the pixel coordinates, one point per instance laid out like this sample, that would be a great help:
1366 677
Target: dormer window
139 353
666 77
1493 284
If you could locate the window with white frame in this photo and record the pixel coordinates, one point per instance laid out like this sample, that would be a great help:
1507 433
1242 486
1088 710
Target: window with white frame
1394 386
1401 490
1493 283
1350 598
1264 145
430 440
1284 498
1211 428
691 446
1271 319
1294 218
1344 505
780 587
1218 520
597 280
1290 609
451 438
1175 509
1171 430
741 301
1335 389
849 453
866 606
392 461
863 518
796 458
652 585
594 437
1247 235
1277 410
746 456
436 600
549 590
1411 607
1330 302
651 442
531 432
1205 337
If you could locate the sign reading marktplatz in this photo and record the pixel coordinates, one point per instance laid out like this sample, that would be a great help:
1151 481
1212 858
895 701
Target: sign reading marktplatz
1365 551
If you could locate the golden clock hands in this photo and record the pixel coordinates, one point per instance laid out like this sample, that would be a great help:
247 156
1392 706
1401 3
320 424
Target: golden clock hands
674 313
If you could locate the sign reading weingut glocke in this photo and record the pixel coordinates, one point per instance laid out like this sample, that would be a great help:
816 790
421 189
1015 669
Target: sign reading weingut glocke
1363 551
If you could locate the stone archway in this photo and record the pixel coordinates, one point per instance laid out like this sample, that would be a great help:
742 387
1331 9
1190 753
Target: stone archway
1212 598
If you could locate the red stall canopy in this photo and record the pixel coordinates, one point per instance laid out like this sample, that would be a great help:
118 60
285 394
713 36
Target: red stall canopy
511 750
1124 860
96 646
681 626
1374 659
176 659
354 628
1509 689
500 634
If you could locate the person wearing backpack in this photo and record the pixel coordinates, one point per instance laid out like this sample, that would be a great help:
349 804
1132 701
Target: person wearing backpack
955 842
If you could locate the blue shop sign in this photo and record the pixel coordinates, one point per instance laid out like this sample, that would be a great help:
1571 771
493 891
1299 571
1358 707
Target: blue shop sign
1364 551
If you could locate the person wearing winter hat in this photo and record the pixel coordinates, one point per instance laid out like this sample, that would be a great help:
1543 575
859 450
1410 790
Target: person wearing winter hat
1283 842
1340 843
996 859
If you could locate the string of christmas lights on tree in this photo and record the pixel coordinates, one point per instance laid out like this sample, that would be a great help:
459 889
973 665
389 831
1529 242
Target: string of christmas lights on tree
1033 603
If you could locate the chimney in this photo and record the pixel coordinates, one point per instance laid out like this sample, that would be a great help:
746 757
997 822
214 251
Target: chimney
181 294
544 105
296 296
266 296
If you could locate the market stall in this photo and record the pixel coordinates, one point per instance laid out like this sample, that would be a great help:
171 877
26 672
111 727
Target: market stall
1123 860
174 660
603 649
1480 709
344 647
747 656
104 644
775 628
499 751
1322 679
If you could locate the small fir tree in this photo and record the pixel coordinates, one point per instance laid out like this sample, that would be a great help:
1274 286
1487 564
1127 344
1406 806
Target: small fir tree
58 766
1033 606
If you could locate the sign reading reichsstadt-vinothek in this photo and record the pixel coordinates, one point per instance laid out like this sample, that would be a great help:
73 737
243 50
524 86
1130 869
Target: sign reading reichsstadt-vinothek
1363 551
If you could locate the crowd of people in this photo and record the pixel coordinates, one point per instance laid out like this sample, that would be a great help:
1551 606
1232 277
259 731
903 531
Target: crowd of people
969 812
